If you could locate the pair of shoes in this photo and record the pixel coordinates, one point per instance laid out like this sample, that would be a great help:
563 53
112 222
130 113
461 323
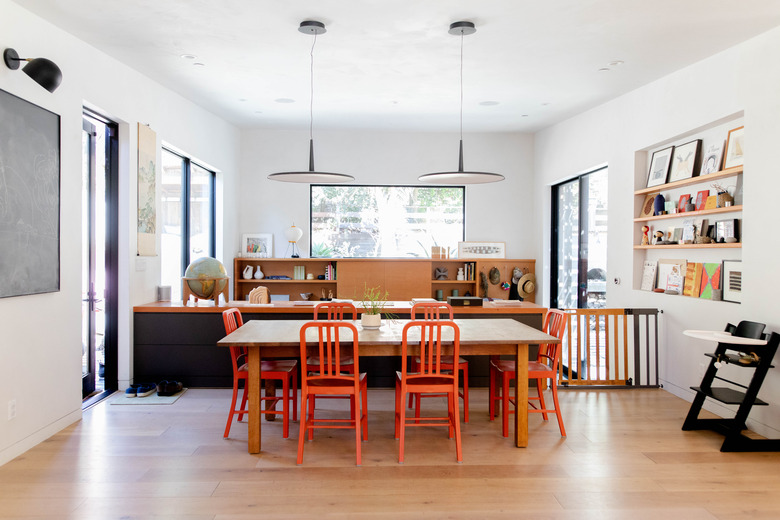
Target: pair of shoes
140 390
167 388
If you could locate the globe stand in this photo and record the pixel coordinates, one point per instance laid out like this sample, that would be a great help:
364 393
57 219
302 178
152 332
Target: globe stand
187 292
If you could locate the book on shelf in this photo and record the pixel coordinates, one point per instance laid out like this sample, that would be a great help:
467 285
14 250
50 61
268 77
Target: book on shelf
692 283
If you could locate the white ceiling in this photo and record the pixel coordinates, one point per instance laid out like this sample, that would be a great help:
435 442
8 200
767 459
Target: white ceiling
391 64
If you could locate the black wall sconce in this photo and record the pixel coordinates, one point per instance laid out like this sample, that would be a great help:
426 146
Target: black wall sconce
43 71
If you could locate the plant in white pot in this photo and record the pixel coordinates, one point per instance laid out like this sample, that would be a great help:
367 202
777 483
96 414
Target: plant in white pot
374 302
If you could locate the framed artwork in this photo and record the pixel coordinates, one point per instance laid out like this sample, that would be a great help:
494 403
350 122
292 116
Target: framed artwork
684 200
671 275
481 250
684 161
647 205
732 280
710 279
147 191
648 276
659 167
258 245
692 284
29 198
734 148
701 199
713 157
688 230
725 229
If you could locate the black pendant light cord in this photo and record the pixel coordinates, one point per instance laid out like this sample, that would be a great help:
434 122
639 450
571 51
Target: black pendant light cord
311 93
461 85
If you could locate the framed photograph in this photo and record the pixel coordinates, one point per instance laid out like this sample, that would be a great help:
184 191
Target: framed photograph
734 148
713 157
732 280
647 205
481 250
257 245
659 167
725 229
684 200
685 161
701 199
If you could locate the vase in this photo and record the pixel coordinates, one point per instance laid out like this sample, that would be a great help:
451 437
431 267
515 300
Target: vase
370 321
461 276
248 272
259 274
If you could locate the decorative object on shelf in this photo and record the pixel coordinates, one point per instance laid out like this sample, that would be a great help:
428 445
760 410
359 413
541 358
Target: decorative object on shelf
305 295
727 229
683 202
659 238
314 28
688 231
648 276
494 275
257 245
669 207
438 252
442 273
659 205
734 148
259 295
713 156
293 234
460 275
505 286
43 71
645 238
732 280
659 167
455 293
483 283
147 191
259 274
701 199
481 249
247 272
310 276
30 199
205 278
439 294
710 279
724 198
690 206
461 177
647 205
712 202
685 161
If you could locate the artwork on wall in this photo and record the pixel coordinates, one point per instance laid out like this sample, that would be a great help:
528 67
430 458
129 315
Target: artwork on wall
710 280
684 161
481 250
734 148
29 198
147 191
659 167
732 281
257 245
671 275
713 156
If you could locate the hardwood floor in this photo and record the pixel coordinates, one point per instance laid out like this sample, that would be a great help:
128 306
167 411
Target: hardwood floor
625 457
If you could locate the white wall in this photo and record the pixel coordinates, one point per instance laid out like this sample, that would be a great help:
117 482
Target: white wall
494 212
743 78
40 347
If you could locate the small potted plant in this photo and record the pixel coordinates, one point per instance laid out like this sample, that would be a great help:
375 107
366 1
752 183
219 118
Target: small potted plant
374 301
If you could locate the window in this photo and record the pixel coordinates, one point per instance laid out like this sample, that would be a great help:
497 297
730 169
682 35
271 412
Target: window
385 221
579 242
186 215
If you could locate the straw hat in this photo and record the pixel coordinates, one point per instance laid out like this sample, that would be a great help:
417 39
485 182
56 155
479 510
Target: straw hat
526 286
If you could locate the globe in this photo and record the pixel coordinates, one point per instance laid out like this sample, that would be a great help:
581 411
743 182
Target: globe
209 277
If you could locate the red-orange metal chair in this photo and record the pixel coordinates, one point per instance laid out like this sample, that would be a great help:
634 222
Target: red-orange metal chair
431 377
545 367
328 379
434 311
285 371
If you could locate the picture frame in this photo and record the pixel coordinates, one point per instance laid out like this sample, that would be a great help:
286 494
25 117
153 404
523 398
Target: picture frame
659 167
648 276
734 148
712 159
257 245
701 199
731 270
481 250
648 205
671 275
725 229
685 161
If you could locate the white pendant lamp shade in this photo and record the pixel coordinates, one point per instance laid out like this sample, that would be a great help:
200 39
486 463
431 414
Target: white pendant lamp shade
461 176
311 175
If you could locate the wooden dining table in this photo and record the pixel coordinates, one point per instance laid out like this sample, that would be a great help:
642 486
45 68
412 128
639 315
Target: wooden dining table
281 338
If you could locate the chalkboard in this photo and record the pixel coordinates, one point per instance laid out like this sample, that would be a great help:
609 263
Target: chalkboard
29 198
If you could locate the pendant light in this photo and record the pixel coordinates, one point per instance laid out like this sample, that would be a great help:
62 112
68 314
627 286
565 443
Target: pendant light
311 176
461 177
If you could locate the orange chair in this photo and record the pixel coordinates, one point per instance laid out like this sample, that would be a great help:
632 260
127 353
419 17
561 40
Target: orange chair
285 371
328 379
545 367
433 311
432 377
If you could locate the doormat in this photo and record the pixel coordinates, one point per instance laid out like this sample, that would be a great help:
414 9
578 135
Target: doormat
149 399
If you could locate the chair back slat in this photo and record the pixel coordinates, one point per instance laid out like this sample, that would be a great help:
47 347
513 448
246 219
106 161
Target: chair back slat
335 310
555 325
233 320
433 336
329 336
432 310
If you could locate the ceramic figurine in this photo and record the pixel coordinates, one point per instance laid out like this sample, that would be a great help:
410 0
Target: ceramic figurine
461 276
259 275
645 238
248 272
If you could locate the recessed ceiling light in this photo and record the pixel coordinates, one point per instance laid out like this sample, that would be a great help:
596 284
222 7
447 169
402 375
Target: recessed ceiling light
604 69
546 104
188 56
616 63
258 111
524 115
488 103
242 99
198 64
284 100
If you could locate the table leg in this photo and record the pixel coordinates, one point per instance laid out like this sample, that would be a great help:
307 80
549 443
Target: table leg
254 400
521 396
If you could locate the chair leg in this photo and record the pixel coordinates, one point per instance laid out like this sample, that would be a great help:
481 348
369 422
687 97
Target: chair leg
286 407
540 393
465 393
492 393
456 423
364 416
244 399
402 433
304 426
558 409
358 421
294 395
232 409
398 405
